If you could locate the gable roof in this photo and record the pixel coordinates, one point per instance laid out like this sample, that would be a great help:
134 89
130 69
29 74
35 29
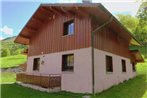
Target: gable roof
49 11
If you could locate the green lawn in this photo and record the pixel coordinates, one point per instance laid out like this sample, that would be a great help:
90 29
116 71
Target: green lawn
12 61
7 77
16 91
142 68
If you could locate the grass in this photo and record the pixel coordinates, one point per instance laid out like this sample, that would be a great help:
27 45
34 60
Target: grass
142 68
7 77
12 61
134 88
16 91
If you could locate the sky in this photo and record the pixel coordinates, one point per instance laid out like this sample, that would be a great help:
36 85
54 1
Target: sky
14 14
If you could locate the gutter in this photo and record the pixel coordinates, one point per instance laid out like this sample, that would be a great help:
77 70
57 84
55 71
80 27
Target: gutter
92 50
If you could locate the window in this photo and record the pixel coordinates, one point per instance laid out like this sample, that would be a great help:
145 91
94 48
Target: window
67 62
109 64
123 62
68 28
36 64
133 67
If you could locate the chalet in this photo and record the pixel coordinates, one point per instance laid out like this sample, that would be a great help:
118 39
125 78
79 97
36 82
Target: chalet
79 47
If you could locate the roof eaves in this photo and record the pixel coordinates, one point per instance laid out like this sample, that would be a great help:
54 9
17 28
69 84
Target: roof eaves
137 51
71 4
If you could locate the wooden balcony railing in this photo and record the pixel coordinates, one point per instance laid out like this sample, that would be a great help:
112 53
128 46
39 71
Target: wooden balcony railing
46 81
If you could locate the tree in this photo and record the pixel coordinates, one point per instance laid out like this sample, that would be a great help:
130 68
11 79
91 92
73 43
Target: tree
141 30
5 52
137 25
8 47
142 12
128 21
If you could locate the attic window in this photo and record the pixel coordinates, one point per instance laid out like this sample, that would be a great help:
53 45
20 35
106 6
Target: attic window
68 28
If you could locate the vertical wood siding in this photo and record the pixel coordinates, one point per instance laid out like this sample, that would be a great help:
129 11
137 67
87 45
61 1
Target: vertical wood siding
109 41
50 37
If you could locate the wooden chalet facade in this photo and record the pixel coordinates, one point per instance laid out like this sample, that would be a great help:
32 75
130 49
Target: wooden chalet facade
84 44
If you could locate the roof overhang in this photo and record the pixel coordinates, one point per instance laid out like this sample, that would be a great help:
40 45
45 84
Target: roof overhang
48 12
136 56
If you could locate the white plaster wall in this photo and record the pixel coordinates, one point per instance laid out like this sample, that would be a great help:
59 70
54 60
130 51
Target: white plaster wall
104 80
78 81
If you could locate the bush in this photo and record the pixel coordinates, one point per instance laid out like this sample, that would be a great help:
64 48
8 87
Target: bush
5 52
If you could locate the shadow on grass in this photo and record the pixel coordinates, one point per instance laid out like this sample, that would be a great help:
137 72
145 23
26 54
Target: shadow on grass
133 88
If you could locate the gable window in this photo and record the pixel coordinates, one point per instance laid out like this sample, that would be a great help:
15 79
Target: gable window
36 64
133 67
123 62
109 64
68 28
68 62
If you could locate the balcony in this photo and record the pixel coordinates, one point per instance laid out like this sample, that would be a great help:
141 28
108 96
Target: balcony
45 81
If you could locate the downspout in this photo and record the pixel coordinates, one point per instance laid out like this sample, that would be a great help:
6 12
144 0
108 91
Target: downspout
92 50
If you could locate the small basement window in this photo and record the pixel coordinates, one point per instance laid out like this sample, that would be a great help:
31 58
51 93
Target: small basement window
36 64
109 64
133 67
68 28
123 62
68 62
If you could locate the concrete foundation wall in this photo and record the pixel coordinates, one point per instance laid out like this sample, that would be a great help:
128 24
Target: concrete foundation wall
79 81
104 80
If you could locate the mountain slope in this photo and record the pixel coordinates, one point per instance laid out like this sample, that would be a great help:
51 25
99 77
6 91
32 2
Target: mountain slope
9 39
9 48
